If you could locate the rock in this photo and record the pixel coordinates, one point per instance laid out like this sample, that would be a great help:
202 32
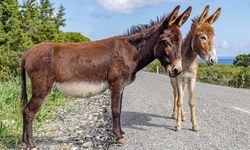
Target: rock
73 148
87 145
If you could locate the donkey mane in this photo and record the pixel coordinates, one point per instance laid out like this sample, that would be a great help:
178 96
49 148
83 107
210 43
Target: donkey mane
194 22
142 27
195 19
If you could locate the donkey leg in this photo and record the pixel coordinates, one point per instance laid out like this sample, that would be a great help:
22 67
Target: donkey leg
179 104
175 92
191 85
182 108
39 92
116 99
122 132
28 116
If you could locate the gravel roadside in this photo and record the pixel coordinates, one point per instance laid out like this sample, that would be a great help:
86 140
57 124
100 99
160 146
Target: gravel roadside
80 124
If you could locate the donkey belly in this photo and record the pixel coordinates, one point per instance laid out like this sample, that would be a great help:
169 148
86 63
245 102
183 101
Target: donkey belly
82 88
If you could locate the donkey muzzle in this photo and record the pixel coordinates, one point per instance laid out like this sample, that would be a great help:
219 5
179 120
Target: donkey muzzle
212 60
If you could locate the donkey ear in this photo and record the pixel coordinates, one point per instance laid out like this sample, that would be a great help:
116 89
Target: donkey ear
183 17
204 14
214 17
173 16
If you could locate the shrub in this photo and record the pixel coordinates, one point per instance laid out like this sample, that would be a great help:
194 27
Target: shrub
70 37
242 60
227 75
152 67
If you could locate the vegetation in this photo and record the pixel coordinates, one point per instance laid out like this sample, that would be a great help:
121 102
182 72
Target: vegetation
242 60
226 75
22 26
10 112
152 67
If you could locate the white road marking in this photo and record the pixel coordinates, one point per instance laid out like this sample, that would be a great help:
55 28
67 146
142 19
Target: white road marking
242 110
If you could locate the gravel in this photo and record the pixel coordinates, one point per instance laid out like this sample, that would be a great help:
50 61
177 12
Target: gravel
80 124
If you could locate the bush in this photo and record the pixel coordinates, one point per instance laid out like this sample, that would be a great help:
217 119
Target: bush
63 37
242 60
242 79
152 67
227 75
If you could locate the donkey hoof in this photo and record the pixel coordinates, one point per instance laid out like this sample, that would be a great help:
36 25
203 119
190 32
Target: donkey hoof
125 136
31 148
174 116
195 128
177 128
122 141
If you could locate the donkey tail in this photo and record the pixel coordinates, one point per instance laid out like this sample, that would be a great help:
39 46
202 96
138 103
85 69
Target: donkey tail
24 99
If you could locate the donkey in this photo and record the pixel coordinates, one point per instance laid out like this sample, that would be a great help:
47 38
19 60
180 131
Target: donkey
199 41
87 69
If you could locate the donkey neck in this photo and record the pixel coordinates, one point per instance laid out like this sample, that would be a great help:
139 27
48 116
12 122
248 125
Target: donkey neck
145 43
188 55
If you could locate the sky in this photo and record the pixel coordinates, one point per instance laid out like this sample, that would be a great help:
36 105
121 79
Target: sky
99 19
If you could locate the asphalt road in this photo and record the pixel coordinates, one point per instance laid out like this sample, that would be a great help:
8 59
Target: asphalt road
223 116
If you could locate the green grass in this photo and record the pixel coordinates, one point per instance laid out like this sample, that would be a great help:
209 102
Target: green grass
10 111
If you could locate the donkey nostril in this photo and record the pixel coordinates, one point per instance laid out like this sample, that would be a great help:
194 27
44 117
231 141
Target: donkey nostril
211 60
175 71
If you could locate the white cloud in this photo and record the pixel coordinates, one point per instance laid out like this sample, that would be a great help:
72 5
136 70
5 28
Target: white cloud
225 44
127 6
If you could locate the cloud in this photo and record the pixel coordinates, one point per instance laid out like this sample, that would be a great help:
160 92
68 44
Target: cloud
225 44
95 13
127 6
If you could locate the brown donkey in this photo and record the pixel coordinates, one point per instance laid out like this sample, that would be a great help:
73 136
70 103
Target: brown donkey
199 41
87 69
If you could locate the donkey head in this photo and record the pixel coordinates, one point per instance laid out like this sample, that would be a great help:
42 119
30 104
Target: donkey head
203 38
168 48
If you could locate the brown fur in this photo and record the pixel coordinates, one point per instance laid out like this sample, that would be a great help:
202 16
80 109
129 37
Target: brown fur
193 45
114 60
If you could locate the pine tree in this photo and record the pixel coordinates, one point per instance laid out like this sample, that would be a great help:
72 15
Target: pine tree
15 40
30 20
46 10
48 29
59 19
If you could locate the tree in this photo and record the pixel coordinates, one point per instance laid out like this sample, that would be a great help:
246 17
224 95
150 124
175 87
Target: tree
14 40
30 20
59 20
70 37
46 11
48 29
242 60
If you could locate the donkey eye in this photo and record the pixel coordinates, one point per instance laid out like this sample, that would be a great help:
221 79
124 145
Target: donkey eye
168 60
203 37
165 43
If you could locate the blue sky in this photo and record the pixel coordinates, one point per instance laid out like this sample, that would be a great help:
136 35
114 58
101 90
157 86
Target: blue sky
100 19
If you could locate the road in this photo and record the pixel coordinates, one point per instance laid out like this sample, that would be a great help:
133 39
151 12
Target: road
223 116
